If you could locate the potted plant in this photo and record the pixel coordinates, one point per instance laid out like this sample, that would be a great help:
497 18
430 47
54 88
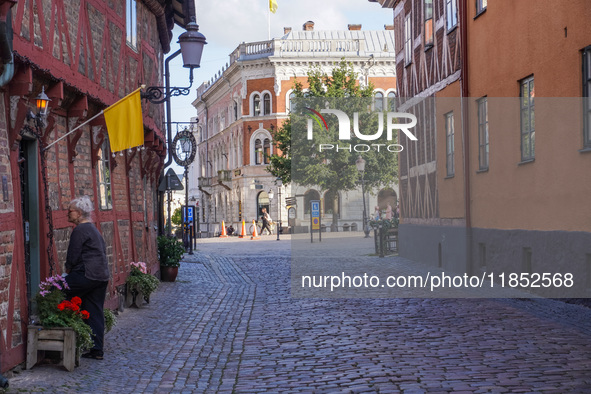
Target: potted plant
170 253
140 284
58 318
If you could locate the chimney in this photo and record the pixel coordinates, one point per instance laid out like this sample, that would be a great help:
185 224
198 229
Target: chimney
308 26
354 27
388 27
286 30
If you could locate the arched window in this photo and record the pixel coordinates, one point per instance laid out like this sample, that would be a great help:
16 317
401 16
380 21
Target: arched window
310 195
256 102
292 105
262 202
387 197
266 150
378 102
235 111
267 103
392 101
331 203
258 152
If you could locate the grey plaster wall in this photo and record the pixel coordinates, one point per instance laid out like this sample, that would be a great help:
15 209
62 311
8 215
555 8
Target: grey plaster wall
423 243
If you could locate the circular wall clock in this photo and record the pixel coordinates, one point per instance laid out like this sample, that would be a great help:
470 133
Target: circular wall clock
184 148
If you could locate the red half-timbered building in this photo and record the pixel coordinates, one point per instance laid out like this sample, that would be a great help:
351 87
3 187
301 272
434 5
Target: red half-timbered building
86 55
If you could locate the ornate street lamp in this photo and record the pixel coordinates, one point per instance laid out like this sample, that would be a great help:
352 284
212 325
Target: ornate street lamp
191 43
360 164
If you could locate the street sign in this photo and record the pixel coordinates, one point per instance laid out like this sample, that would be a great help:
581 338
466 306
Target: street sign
189 213
291 213
315 213
290 201
170 181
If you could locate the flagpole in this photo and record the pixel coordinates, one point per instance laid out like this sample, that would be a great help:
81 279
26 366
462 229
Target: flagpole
269 21
71 131
95 116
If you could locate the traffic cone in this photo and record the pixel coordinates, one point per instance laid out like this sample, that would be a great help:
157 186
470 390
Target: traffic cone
254 231
223 234
243 231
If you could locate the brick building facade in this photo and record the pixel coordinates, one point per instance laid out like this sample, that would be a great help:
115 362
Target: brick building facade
240 108
85 57
500 179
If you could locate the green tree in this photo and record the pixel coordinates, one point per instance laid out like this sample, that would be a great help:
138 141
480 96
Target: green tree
303 162
176 217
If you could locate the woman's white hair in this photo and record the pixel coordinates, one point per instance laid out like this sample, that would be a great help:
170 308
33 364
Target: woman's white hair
84 205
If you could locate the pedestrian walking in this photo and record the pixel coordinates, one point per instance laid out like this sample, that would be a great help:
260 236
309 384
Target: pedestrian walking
88 270
266 221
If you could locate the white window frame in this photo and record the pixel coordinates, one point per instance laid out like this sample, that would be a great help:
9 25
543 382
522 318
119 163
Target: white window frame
407 39
451 11
483 136
103 184
449 144
131 23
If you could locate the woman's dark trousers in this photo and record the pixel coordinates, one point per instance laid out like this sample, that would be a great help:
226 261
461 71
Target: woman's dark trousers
92 293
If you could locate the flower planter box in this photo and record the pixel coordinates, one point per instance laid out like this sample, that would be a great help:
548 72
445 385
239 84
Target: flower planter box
61 339
134 299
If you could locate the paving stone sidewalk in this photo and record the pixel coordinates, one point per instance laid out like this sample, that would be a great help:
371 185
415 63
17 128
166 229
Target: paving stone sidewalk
229 324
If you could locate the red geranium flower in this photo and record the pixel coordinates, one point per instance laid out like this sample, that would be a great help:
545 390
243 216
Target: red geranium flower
85 315
61 306
77 301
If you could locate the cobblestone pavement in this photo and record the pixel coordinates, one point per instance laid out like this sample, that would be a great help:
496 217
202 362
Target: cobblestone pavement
229 324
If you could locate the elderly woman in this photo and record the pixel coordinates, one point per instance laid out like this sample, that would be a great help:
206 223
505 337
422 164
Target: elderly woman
87 268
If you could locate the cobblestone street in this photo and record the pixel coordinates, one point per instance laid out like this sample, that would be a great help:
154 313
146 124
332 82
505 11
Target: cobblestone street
229 324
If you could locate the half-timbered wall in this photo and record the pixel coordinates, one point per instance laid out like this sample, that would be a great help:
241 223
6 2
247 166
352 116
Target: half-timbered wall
78 52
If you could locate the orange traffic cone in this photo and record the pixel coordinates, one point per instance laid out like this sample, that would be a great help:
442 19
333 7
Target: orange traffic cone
223 234
243 232
254 231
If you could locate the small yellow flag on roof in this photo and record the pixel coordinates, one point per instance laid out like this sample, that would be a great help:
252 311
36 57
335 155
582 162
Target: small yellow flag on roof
273 6
125 123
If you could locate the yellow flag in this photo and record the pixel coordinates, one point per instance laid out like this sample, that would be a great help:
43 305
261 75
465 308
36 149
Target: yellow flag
273 5
125 123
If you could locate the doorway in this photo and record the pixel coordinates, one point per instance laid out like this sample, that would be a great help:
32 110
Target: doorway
29 176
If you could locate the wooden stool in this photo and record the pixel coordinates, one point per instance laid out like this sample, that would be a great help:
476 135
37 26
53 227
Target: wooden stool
61 339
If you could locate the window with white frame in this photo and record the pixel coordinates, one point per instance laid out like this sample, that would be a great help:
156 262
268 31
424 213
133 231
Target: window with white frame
256 102
483 134
449 143
267 104
266 150
528 130
481 6
292 105
378 101
258 152
392 101
587 97
131 23
428 25
451 11
407 40
104 176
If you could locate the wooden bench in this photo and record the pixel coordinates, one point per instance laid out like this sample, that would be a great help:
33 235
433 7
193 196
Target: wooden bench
60 339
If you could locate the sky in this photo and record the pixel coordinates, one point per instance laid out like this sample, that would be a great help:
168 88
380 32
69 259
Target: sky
227 23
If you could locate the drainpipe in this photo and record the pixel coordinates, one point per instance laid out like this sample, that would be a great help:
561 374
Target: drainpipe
465 129
6 48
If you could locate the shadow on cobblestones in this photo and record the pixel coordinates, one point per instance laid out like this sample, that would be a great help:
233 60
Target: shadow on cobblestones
229 324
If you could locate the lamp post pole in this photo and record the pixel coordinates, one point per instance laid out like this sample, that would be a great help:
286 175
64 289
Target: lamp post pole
279 185
360 164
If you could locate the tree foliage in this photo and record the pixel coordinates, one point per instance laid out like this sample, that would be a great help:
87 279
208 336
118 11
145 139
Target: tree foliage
176 217
303 162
